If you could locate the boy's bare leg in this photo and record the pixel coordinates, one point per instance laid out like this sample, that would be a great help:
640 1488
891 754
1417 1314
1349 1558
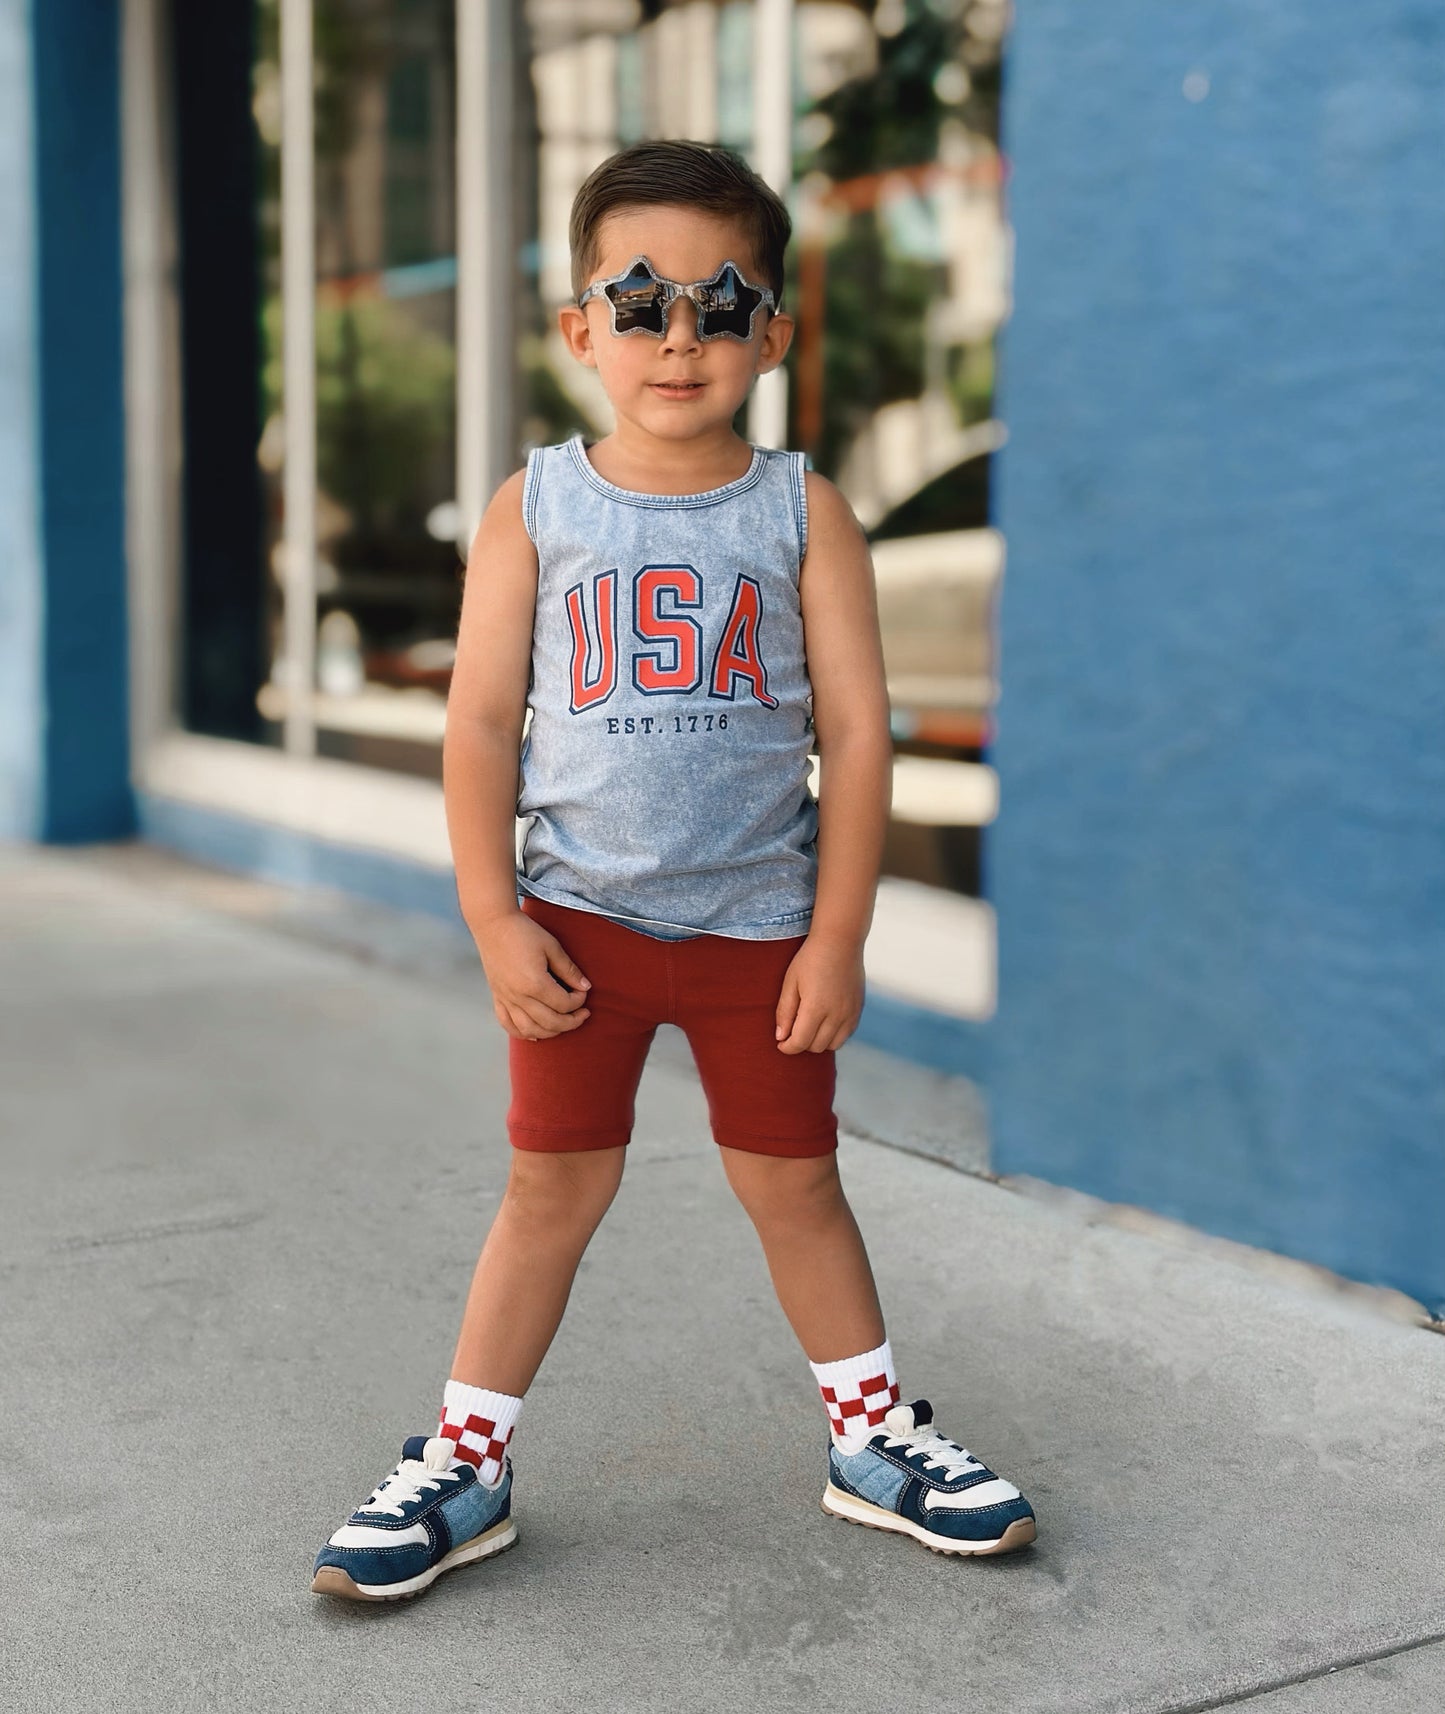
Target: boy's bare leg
814 1251
550 1209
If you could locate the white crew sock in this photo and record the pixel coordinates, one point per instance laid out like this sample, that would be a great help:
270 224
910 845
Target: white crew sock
481 1423
858 1391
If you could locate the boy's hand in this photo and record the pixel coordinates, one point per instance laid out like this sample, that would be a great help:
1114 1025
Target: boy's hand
822 996
537 991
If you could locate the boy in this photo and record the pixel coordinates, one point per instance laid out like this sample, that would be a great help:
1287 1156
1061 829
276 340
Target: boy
683 612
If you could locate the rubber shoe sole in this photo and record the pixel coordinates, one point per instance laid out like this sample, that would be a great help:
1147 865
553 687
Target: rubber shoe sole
855 1511
332 1580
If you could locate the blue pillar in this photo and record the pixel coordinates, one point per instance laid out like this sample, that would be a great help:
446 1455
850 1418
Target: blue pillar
21 560
1220 863
64 765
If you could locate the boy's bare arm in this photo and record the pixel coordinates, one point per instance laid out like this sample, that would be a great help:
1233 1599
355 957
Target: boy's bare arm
823 993
536 988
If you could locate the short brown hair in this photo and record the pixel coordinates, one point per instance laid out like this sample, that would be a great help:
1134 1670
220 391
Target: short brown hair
674 171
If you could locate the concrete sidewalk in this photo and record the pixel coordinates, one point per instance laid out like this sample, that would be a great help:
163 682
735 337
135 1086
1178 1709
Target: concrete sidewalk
246 1177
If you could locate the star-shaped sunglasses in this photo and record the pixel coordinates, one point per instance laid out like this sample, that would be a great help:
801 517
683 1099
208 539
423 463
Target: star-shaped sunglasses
640 300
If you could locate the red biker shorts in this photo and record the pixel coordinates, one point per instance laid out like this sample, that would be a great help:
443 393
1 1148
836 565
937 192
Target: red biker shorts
576 1090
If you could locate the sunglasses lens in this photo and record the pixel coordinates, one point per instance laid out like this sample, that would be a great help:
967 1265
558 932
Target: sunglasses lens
638 302
727 306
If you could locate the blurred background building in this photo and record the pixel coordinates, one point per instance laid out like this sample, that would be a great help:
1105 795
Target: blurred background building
278 312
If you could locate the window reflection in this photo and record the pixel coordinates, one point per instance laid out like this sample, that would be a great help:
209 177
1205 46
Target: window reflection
901 276
897 276
387 566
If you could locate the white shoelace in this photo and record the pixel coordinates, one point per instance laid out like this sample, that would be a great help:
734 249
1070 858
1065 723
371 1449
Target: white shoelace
404 1485
938 1451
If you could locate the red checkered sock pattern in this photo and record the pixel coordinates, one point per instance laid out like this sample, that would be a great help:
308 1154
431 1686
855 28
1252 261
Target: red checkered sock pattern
858 1390
481 1423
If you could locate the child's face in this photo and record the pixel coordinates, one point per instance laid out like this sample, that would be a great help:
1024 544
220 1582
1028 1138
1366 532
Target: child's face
682 244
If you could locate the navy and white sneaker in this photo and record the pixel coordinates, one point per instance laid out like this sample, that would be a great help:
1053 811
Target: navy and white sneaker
422 1520
906 1476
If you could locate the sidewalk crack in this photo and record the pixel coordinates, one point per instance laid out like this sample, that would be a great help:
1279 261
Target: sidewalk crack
1367 1658
184 1227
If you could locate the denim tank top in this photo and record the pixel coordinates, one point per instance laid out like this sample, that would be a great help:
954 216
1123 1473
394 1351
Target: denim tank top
664 776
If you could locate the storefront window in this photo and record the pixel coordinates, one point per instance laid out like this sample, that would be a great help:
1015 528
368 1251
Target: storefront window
605 73
227 133
387 571
900 263
897 277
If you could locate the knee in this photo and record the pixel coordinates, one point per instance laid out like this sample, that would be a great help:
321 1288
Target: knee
789 1193
556 1195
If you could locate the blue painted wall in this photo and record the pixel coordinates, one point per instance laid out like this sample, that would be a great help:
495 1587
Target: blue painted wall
1220 864
82 418
21 560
